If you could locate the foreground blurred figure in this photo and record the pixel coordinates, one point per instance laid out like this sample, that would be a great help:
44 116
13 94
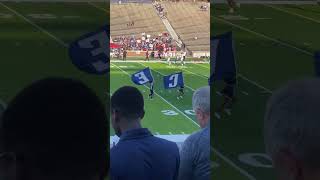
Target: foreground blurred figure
292 130
195 152
138 155
54 129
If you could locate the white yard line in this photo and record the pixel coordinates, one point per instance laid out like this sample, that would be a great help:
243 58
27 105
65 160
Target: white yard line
35 25
264 36
227 160
250 81
102 9
292 13
162 99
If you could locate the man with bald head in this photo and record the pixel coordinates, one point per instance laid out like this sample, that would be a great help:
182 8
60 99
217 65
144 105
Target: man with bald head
195 152
292 130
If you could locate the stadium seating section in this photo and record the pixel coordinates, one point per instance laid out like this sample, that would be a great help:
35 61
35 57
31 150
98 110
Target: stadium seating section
190 23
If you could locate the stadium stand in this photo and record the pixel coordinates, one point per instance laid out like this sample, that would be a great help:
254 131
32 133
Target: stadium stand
142 15
191 23
189 20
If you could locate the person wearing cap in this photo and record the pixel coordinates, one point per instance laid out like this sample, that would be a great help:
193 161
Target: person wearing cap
292 130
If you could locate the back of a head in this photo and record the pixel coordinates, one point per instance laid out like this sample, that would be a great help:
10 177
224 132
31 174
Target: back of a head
201 99
292 121
59 127
128 101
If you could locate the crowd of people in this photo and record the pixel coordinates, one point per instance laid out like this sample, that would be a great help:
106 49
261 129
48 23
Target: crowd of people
154 46
160 9
161 42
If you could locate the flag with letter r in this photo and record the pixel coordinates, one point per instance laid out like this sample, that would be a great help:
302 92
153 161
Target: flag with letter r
142 77
173 80
222 64
90 52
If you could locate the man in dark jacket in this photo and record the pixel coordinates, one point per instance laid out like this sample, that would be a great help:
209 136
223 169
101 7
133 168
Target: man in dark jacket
138 154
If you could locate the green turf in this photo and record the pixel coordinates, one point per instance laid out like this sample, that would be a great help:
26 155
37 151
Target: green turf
274 44
28 53
155 119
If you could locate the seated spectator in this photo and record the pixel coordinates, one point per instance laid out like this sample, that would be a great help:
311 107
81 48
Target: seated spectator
55 129
138 155
195 151
292 130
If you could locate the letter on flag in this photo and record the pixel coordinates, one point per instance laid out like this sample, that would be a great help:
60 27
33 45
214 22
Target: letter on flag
142 77
90 52
173 80
223 65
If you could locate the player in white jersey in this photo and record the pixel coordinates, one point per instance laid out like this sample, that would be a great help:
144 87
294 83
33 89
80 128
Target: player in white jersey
183 57
169 56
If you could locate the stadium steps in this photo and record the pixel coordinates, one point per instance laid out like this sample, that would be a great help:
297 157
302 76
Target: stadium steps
190 23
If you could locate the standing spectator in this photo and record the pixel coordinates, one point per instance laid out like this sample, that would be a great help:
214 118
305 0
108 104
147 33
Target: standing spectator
138 155
124 56
55 129
292 130
147 55
195 152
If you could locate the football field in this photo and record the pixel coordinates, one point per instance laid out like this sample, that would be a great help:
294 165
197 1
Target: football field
273 44
166 113
34 40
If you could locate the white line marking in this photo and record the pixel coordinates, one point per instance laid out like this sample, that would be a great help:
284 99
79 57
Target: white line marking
170 133
242 171
245 93
182 132
227 111
219 93
250 81
217 115
102 9
254 83
265 36
292 13
35 25
163 99
262 18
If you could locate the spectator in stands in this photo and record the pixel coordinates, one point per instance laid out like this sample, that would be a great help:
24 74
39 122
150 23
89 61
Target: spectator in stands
138 155
124 56
55 129
195 151
292 130
147 55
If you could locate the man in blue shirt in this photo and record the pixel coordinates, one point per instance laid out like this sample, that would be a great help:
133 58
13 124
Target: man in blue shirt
138 155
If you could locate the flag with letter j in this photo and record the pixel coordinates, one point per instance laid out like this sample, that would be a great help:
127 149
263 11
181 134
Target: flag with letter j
173 80
142 77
